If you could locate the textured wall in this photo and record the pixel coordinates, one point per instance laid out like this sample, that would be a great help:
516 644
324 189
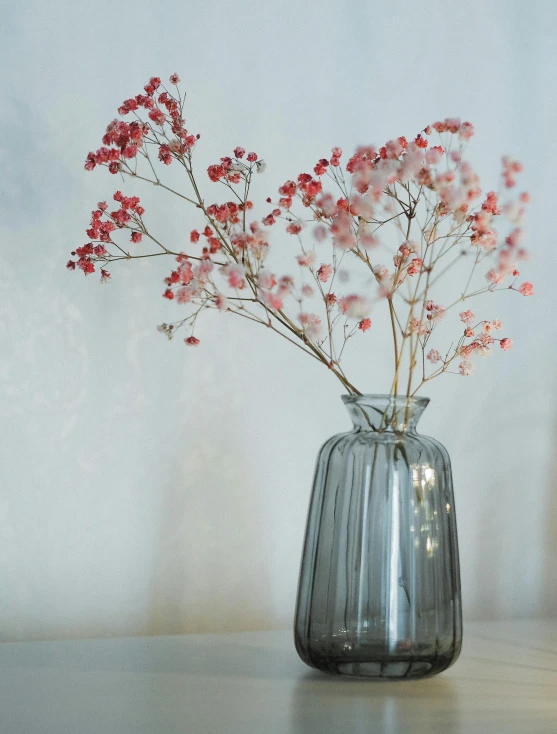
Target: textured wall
150 488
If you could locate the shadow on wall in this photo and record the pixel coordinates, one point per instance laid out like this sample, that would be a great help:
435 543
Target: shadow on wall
211 571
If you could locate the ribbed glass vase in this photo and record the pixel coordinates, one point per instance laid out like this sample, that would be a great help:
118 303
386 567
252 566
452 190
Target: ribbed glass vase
379 590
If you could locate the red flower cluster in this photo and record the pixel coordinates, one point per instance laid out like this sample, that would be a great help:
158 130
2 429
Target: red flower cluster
233 171
127 138
102 224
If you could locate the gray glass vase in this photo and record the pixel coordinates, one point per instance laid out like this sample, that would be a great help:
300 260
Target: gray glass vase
379 590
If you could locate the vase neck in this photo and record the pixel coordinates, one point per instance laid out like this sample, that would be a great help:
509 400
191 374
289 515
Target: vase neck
385 412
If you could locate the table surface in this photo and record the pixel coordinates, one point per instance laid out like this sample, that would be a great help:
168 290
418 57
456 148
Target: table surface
253 683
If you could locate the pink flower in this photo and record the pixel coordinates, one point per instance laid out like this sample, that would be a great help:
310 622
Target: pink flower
527 289
252 157
335 156
435 312
490 204
105 277
341 229
415 266
221 302
321 167
368 241
307 259
288 189
216 172
129 105
184 294
307 291
466 368
364 324
506 344
320 233
324 272
354 306
485 339
494 276
466 317
236 276
497 324
482 350
130 151
510 169
449 124
271 300
239 152
192 341
434 155
417 327
294 227
136 237
312 325
465 131
286 283
174 79
266 280
420 142
165 156
433 355
157 116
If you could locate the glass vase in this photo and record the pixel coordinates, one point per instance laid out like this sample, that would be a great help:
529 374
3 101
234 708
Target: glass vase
379 589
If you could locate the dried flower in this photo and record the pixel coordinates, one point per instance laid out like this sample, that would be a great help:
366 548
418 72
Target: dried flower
229 265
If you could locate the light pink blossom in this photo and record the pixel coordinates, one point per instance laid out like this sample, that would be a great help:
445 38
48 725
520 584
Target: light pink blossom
466 317
221 302
236 276
466 368
324 272
312 325
266 280
527 289
355 306
307 259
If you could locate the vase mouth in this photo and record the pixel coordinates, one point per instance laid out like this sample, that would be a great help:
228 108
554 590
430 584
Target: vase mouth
385 412
350 398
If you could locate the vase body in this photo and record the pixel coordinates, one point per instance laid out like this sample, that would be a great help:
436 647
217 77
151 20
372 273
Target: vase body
379 589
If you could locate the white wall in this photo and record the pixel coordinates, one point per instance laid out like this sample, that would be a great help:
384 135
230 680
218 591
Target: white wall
150 488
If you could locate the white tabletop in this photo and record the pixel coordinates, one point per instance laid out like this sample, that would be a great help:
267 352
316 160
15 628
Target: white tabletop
253 683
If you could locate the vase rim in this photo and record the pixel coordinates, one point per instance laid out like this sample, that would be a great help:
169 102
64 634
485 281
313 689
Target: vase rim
385 412
351 398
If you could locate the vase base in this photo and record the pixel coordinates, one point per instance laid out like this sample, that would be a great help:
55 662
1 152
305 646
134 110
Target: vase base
378 667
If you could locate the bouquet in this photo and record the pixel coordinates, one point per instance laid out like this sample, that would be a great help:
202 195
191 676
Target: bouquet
373 234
